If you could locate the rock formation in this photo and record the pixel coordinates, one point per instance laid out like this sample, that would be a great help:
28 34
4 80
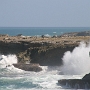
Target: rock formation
47 51
83 83
84 33
43 51
86 77
29 67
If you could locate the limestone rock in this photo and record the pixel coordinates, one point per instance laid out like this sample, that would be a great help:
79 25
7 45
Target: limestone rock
28 67
46 52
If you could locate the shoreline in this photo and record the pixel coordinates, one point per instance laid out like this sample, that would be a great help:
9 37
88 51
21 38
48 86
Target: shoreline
45 51
28 45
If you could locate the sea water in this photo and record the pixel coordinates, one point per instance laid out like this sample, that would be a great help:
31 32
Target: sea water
76 64
38 31
12 78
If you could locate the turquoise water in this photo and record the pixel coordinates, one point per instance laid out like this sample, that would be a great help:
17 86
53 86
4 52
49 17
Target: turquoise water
32 31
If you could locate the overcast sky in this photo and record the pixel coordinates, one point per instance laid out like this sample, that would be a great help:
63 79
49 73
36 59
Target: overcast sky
44 13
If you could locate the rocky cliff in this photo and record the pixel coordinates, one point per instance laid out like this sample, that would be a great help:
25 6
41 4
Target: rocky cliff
35 52
44 51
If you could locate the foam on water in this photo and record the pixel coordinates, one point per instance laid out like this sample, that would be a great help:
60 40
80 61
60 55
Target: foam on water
77 61
6 64
12 78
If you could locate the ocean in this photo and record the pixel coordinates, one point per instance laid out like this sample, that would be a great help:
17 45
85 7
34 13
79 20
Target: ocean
12 78
76 64
38 31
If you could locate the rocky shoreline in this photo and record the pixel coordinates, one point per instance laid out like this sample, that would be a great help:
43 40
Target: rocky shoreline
29 67
83 83
41 50
33 51
45 51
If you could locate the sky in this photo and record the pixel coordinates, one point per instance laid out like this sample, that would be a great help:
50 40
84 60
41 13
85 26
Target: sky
44 13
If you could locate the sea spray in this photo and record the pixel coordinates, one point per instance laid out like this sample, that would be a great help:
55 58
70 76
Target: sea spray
78 61
6 64
47 79
8 60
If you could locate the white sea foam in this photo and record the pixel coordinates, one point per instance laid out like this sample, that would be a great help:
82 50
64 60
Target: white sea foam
6 64
77 61
8 60
44 80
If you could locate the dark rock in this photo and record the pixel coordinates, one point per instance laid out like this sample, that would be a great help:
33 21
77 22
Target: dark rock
12 47
49 56
86 77
45 54
28 67
76 83
41 51
83 33
19 35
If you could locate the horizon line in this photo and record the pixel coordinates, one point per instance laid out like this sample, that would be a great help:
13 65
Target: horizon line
44 27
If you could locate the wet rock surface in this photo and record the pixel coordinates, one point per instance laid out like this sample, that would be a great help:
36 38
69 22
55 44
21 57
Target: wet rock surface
75 83
29 67
83 83
44 51
86 77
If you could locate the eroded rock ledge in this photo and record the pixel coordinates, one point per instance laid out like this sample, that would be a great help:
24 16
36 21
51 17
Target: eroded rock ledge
29 67
83 83
44 51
